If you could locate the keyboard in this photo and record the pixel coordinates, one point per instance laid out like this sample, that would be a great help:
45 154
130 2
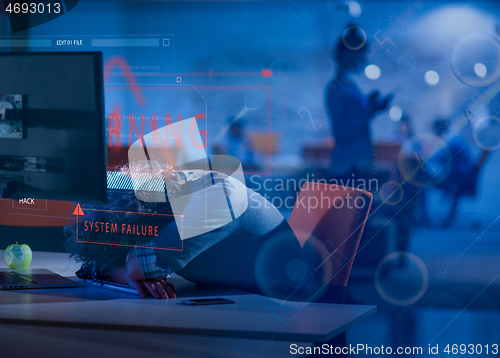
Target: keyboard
113 286
14 278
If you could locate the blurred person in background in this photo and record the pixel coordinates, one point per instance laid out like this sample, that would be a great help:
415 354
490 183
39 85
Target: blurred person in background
350 110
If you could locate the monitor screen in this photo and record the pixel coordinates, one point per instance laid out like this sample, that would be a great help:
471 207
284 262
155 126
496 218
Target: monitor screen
59 150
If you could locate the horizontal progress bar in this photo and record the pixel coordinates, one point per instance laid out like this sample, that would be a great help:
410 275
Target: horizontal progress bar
125 42
263 73
26 43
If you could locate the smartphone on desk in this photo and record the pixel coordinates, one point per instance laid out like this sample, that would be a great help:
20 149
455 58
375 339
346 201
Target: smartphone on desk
208 301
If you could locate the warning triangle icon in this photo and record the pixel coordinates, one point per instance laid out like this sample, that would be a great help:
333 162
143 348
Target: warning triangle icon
78 210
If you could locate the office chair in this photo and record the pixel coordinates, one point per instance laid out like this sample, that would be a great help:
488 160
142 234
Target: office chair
335 216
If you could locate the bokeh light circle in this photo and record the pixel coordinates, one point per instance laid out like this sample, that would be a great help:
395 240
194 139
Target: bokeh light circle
395 113
354 8
391 193
475 59
425 159
354 42
480 70
431 78
487 133
372 72
255 99
281 70
285 270
396 283
407 63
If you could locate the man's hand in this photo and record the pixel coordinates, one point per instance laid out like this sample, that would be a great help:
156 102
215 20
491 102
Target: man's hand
133 276
136 279
378 104
157 288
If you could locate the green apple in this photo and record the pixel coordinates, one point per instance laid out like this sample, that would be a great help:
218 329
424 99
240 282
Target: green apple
18 256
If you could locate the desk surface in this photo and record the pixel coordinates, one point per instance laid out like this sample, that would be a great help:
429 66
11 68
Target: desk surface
253 316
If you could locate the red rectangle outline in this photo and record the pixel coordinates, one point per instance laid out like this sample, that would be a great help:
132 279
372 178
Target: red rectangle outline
268 88
125 245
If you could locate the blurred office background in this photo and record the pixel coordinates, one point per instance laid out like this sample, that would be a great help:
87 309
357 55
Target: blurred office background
270 65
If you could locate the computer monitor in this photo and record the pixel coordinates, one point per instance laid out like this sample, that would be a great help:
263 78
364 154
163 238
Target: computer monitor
52 126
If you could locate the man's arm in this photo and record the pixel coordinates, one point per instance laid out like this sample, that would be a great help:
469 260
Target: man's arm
132 275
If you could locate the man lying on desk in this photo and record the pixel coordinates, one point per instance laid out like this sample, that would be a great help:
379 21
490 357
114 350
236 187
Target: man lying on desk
222 254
